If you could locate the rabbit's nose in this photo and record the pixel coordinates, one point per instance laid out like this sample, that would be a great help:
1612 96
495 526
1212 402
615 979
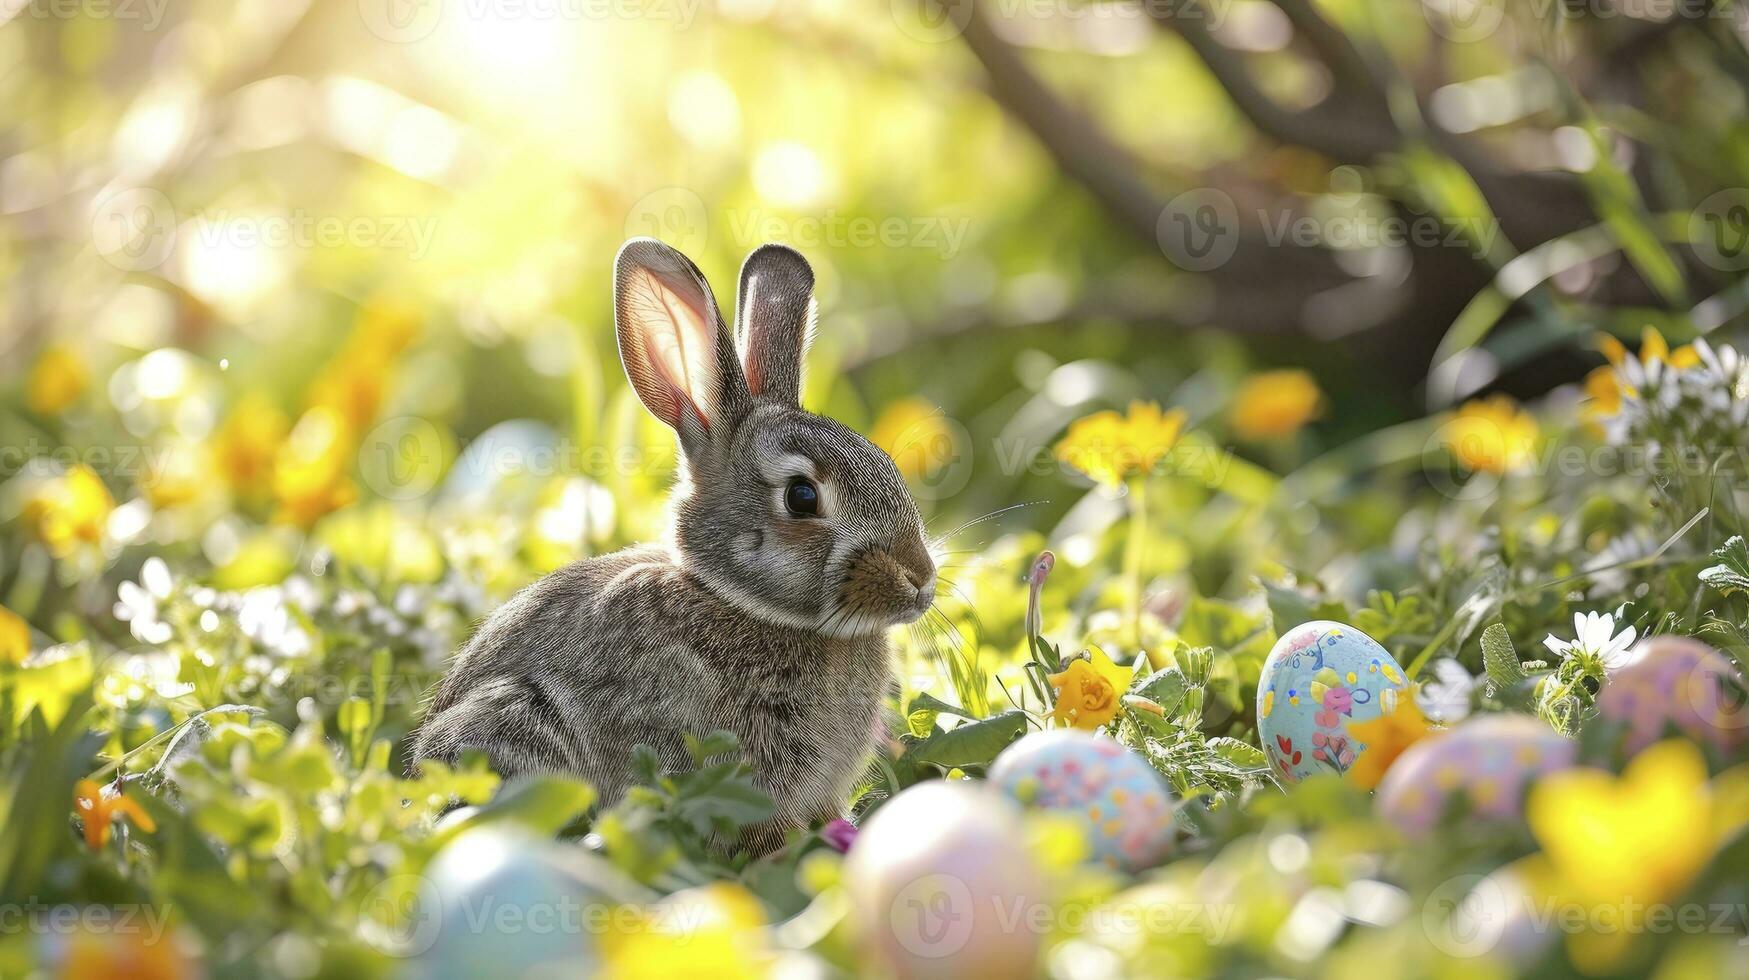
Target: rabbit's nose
917 577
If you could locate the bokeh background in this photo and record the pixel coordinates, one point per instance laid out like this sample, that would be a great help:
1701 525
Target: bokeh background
306 347
217 215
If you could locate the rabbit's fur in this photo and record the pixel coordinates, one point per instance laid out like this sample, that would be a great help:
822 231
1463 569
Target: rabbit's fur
751 618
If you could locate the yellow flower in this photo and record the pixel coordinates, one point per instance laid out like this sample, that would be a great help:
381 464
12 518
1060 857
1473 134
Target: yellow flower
1089 691
98 806
1641 836
716 930
917 435
69 511
1275 403
1386 737
247 444
14 637
176 475
1491 435
56 381
310 473
1653 347
1604 389
1110 448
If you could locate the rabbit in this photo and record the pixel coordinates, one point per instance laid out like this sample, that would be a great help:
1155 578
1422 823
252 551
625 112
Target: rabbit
793 545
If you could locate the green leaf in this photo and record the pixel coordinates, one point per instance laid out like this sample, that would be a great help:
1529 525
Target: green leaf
973 743
733 802
1289 608
1731 574
1500 658
926 702
1239 753
545 804
1165 687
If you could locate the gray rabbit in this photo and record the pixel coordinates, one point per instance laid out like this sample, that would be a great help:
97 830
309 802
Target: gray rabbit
794 544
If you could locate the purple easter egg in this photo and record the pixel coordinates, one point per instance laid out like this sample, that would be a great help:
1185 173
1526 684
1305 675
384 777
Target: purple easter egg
1489 760
1121 805
1681 683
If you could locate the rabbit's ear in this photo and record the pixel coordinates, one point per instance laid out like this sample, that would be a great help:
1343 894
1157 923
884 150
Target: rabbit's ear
673 343
774 320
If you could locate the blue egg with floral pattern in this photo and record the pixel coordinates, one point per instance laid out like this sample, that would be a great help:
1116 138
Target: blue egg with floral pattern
1320 678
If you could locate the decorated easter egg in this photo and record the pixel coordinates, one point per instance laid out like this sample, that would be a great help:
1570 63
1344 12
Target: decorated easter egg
1123 808
498 903
936 880
1676 683
1489 761
1320 678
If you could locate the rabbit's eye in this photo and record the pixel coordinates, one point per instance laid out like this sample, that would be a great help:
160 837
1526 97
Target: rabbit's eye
802 498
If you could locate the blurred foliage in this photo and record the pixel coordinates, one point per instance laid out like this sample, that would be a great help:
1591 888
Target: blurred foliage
308 365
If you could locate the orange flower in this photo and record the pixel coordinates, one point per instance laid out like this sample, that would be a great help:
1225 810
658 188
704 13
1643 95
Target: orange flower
1275 403
1386 737
1089 691
98 806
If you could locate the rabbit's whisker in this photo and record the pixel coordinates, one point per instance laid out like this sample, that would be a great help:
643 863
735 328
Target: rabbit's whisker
981 519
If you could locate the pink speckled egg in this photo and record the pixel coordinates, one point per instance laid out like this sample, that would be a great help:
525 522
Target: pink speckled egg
1489 760
1676 683
936 880
1122 806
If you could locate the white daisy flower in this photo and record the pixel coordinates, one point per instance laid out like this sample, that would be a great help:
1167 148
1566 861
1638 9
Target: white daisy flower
1596 640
